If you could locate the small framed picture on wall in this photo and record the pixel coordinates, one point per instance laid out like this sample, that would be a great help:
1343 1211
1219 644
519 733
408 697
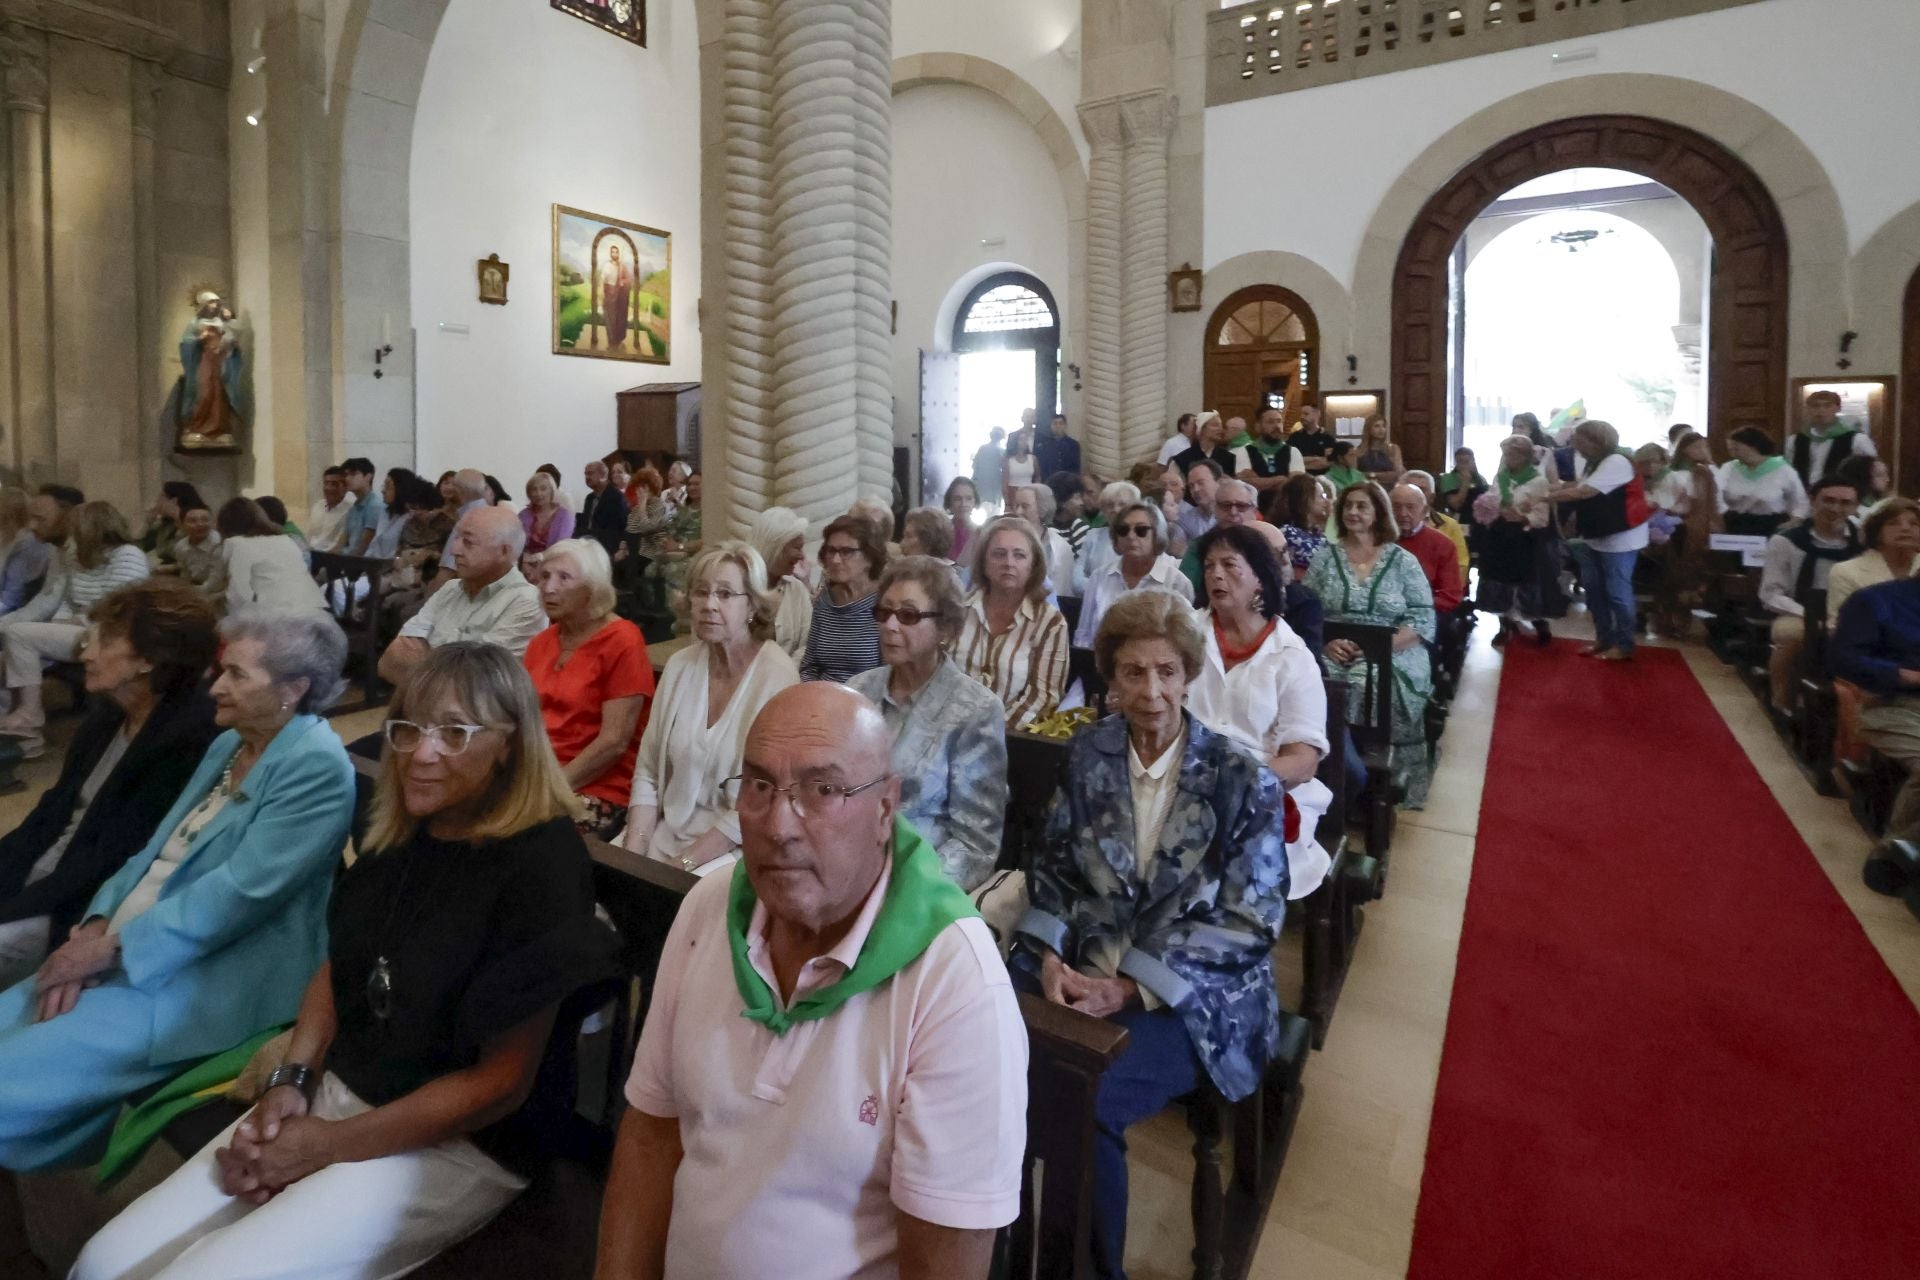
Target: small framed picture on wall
624 18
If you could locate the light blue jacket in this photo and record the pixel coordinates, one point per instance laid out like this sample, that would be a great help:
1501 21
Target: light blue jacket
240 927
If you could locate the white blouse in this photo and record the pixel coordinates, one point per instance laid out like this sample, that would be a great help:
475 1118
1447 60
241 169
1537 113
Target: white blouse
1111 584
1779 492
792 615
1271 700
684 763
267 574
146 892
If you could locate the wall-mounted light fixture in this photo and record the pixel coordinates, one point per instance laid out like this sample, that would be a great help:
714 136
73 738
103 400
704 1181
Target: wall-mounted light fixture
258 61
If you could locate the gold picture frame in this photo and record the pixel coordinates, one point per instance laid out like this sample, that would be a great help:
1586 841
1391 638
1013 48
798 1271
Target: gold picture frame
612 288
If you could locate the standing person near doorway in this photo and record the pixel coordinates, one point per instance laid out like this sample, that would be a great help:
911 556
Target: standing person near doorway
1312 440
989 462
1825 442
1267 460
1064 452
1611 511
1020 467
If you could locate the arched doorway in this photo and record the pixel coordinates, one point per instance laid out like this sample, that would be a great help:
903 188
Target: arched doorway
1014 312
1263 348
1747 356
1907 457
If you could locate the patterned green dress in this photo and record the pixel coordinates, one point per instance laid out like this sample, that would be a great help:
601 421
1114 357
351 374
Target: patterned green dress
1395 595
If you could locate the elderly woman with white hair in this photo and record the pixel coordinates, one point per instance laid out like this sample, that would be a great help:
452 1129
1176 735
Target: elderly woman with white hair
1035 504
779 534
591 671
207 936
1095 552
681 807
1138 537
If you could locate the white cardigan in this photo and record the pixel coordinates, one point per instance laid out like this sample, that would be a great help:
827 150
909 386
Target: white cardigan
684 763
267 574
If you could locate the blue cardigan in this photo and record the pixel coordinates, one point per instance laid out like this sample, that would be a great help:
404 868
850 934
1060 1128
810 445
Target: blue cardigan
240 927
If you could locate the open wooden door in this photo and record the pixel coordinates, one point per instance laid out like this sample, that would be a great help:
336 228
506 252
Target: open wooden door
940 459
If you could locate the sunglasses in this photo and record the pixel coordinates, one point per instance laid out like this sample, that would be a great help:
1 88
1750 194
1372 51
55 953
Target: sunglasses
906 617
1137 530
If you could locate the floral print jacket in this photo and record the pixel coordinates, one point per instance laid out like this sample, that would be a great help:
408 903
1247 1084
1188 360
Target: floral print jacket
1196 924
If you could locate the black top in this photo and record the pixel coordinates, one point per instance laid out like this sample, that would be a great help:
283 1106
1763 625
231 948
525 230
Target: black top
1055 454
122 817
478 938
1188 458
603 517
1312 444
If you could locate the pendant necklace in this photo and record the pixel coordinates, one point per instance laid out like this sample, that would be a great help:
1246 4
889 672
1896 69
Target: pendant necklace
380 981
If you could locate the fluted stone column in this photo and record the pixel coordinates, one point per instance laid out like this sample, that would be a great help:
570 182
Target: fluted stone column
1101 363
1143 332
798 223
26 397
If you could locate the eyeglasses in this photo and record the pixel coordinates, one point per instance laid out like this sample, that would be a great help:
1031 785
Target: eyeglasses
1136 530
907 617
831 552
811 800
719 595
1233 506
405 736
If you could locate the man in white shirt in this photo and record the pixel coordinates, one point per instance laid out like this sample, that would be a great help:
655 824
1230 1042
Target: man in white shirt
832 1077
488 600
1798 562
1181 440
327 521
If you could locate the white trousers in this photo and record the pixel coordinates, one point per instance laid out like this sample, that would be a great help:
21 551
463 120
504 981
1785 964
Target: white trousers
365 1221
31 645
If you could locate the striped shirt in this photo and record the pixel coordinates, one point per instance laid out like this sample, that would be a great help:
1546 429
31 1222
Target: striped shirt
68 590
843 640
1026 666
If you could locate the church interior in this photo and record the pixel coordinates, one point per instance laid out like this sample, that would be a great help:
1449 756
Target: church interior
1585 943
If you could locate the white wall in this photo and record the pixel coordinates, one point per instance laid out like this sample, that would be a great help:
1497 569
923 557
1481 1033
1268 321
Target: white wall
966 168
1305 171
522 108
1027 37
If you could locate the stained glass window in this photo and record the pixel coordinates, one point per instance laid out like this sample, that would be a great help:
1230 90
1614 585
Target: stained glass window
1006 308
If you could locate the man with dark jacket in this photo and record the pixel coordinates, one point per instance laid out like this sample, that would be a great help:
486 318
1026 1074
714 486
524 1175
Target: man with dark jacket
1876 645
603 515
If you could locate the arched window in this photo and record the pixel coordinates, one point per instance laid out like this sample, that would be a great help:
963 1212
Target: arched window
1263 348
1013 311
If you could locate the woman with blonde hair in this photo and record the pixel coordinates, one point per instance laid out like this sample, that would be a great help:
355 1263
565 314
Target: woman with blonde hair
413 1075
1011 639
1380 458
591 671
779 534
23 557
544 518
99 558
681 809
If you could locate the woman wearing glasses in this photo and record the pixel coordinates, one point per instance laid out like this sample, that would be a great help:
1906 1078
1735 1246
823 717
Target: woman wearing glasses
206 936
1011 639
407 1109
1139 562
681 809
949 732
842 639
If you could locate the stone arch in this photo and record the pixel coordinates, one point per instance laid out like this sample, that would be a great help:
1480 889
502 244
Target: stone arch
1797 182
1332 306
1879 277
920 69
1747 382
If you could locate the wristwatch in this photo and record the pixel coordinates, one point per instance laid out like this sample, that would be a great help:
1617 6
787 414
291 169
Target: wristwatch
296 1074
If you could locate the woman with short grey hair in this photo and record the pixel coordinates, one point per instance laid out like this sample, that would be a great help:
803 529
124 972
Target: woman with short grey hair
949 731
302 650
1138 536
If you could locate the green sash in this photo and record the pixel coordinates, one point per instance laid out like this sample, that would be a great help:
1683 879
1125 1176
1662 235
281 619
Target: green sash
1766 468
1509 481
920 902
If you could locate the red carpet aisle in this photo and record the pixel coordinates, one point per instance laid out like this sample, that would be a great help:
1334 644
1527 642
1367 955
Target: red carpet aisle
1671 1050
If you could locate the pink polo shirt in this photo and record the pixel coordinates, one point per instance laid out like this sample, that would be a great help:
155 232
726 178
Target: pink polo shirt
800 1149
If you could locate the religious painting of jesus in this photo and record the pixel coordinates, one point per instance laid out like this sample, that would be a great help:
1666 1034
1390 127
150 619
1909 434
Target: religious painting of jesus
612 288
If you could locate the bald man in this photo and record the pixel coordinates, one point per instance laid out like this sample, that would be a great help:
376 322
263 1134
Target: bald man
488 600
848 1097
1439 520
1429 546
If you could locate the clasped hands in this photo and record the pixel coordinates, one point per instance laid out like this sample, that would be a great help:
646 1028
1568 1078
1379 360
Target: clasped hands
88 952
1099 997
274 1147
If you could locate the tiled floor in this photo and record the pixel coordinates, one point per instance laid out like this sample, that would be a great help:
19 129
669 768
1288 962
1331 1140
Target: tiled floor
1345 1206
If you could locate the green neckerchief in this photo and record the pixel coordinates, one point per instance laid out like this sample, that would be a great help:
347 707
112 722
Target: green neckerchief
1345 478
920 902
1593 464
1098 520
1240 441
1766 468
1511 480
1268 447
1832 432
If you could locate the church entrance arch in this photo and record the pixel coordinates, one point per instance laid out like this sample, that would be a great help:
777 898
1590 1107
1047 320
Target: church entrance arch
1747 356
1263 349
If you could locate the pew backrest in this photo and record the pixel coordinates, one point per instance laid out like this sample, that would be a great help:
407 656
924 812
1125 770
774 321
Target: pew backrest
338 575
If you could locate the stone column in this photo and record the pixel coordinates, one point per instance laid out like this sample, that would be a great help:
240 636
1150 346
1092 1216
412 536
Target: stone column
146 261
1148 119
1100 433
26 355
797 217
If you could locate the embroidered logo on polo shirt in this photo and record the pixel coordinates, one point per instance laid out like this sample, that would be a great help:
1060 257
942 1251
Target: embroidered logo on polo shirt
870 1110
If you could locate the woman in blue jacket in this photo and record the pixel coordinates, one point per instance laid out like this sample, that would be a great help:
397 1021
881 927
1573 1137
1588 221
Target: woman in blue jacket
210 933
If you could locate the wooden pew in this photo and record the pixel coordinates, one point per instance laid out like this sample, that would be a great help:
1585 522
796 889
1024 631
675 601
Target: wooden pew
337 575
1374 734
1331 916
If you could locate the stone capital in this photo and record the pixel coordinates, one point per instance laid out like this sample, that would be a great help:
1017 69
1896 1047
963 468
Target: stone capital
1149 117
23 68
1104 125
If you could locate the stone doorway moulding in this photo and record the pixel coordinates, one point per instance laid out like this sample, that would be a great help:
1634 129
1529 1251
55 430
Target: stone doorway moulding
1747 360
